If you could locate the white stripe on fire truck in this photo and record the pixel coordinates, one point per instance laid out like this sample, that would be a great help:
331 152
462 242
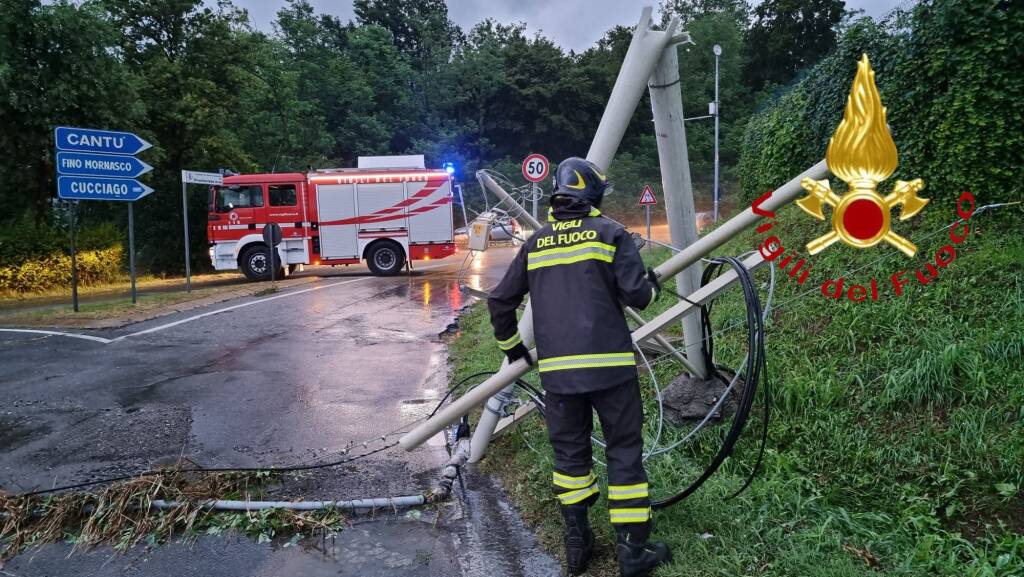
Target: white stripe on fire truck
259 225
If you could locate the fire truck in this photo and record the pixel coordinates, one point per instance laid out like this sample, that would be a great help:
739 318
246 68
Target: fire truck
388 211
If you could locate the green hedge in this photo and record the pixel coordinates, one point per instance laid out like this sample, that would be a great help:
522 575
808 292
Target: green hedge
34 255
54 271
949 72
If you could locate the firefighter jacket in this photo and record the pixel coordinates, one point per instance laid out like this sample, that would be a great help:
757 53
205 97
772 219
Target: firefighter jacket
579 269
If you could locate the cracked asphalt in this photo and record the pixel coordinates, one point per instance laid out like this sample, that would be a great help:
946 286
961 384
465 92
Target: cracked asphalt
269 381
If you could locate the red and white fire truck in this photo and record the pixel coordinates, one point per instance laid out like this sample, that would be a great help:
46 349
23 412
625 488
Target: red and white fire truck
388 211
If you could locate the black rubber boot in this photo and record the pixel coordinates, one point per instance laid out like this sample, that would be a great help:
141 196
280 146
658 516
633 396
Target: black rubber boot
579 539
638 558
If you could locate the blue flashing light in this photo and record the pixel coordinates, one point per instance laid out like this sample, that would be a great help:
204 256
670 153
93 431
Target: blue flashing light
449 167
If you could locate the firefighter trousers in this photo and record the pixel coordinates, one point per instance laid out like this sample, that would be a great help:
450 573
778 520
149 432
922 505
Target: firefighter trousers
570 421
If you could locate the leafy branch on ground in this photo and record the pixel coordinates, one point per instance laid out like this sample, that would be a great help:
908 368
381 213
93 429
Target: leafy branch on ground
122 514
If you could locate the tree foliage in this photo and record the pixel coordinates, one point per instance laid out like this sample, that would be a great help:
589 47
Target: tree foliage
788 35
210 91
949 73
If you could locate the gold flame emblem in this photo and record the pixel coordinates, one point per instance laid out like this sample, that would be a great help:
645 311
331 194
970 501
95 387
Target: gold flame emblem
862 153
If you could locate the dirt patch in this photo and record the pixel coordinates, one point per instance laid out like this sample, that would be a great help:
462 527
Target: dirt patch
976 524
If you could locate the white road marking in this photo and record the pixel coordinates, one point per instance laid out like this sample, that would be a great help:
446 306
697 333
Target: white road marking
59 334
250 303
203 315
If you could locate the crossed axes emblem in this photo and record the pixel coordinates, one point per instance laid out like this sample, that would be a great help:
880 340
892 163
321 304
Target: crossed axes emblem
860 218
862 153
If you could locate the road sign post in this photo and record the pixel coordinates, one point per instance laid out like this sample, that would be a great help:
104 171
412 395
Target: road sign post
131 249
100 165
535 169
193 177
647 217
74 258
184 223
647 200
462 203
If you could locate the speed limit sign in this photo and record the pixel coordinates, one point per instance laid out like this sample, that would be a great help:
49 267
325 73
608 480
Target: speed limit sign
535 168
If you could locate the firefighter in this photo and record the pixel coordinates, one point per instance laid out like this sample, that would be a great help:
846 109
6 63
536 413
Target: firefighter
580 269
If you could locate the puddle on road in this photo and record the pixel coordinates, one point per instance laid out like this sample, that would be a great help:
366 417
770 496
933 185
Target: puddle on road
496 543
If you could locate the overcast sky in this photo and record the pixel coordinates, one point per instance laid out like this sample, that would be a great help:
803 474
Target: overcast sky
574 24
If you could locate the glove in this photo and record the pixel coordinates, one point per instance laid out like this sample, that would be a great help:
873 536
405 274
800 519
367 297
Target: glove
519 352
653 279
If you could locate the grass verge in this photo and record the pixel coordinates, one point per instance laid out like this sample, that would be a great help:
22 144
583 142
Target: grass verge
897 439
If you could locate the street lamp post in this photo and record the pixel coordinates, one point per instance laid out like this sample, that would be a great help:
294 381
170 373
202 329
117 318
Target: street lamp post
718 53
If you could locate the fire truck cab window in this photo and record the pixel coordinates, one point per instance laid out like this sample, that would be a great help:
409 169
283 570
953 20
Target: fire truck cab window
281 194
231 197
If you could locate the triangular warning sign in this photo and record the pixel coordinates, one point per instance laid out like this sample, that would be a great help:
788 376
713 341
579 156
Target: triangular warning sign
647 196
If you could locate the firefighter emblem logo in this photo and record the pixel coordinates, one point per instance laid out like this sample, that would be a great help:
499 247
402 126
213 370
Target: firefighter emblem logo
862 153
233 217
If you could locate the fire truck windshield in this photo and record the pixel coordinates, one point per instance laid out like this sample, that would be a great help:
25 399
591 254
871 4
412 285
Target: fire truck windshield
228 198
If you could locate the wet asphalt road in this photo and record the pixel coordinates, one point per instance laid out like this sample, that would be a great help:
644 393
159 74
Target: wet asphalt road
286 379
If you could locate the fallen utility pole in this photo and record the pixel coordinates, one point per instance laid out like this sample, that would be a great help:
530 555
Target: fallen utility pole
647 48
508 374
494 410
374 503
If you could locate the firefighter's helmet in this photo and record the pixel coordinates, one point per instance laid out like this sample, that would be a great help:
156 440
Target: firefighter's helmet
582 179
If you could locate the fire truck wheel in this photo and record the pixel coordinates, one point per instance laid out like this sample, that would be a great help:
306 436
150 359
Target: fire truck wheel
254 264
385 258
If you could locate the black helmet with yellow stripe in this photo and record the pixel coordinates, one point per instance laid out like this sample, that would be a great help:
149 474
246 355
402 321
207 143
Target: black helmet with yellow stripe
582 179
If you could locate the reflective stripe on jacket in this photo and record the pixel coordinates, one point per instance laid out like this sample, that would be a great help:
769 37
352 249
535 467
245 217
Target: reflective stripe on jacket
579 270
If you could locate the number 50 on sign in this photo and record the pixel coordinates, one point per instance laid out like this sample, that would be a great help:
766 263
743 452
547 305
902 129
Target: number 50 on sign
535 167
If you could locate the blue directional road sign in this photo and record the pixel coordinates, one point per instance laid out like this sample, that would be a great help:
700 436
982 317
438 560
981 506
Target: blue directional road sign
86 164
96 188
101 141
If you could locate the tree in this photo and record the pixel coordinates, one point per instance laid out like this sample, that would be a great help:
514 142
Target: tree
194 68
52 74
690 10
787 36
419 28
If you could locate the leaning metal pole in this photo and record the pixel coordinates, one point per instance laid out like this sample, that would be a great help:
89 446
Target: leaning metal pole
691 254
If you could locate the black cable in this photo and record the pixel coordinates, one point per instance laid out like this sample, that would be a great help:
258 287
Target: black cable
677 81
283 469
755 364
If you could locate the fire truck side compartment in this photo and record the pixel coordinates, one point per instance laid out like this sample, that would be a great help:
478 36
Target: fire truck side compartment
337 202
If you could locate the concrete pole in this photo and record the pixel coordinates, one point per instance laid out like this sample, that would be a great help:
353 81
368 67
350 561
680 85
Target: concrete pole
508 374
641 58
667 104
517 211
780 197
